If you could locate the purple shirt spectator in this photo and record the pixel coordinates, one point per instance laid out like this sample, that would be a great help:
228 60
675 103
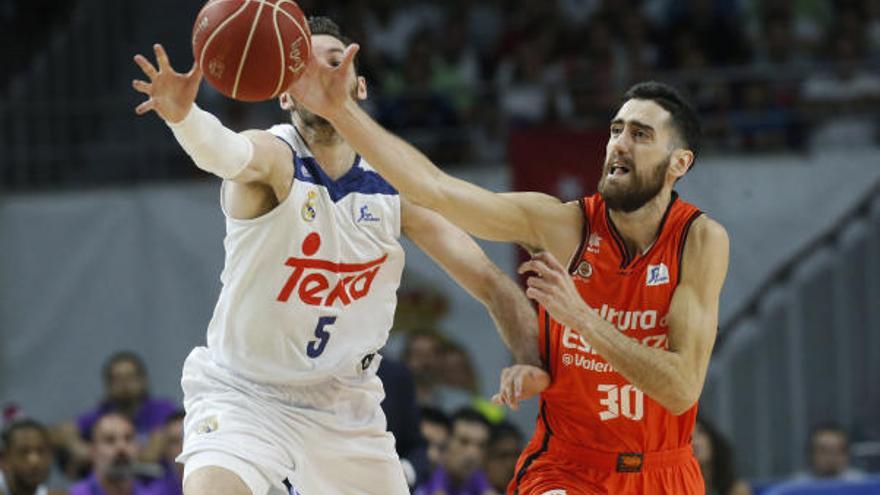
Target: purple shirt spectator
90 486
477 484
152 415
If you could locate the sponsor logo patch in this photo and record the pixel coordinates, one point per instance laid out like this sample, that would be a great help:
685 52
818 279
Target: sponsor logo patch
657 275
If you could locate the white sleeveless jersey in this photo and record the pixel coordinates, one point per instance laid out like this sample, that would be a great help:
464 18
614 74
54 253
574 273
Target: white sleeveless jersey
310 288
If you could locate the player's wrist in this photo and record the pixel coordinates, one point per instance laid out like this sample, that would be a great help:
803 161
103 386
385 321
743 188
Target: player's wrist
182 117
345 112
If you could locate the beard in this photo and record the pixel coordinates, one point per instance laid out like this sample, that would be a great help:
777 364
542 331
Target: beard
322 128
314 121
627 198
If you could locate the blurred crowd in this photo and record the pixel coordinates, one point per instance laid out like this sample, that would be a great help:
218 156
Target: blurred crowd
455 77
765 75
450 441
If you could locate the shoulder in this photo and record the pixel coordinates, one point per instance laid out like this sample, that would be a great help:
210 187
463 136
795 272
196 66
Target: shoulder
740 487
162 404
707 233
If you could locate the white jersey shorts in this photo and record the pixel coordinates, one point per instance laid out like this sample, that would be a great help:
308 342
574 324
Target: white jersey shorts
323 439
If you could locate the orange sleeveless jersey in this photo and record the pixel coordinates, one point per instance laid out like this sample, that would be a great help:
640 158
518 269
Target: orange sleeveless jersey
589 404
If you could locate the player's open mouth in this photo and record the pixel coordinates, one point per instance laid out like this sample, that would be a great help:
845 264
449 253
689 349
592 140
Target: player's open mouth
617 171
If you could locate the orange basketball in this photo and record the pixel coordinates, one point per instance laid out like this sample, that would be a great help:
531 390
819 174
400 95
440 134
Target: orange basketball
251 50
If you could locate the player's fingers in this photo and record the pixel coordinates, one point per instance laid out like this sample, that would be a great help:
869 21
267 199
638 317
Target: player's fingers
162 57
195 71
539 283
145 66
145 107
537 295
531 266
547 264
518 386
497 400
348 57
142 86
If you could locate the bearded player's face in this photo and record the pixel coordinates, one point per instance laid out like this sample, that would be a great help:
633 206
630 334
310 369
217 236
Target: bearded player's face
329 50
637 155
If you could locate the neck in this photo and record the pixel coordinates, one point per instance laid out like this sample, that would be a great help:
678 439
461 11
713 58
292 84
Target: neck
332 153
640 228
116 487
17 488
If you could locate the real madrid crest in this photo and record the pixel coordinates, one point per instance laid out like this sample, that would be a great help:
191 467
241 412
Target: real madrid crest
308 208
585 269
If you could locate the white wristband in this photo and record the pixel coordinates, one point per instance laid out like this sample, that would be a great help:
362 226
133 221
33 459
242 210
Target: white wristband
213 147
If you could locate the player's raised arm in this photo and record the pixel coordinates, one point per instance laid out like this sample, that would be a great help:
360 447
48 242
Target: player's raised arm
533 220
251 156
464 260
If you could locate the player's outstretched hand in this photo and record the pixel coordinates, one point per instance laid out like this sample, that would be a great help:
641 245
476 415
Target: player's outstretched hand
520 382
171 94
324 89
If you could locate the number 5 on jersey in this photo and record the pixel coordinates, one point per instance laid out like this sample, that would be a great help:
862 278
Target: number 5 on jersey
626 401
316 347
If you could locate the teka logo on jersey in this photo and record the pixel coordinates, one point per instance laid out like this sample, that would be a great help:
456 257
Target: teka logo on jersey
629 320
311 278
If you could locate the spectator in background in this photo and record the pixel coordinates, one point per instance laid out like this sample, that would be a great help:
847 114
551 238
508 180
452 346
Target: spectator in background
828 455
114 451
435 427
25 458
172 444
421 354
715 456
458 387
843 102
126 391
402 415
505 444
461 472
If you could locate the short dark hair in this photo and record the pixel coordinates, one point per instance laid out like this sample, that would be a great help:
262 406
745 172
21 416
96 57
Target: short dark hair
18 425
830 427
326 26
470 415
120 357
177 415
684 118
503 430
102 417
435 416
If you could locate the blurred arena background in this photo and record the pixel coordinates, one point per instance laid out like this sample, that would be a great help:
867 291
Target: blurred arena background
112 239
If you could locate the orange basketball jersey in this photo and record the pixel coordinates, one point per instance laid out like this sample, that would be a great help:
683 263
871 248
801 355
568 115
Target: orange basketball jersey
589 404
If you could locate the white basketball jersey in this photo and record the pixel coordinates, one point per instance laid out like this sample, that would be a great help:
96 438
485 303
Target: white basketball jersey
310 288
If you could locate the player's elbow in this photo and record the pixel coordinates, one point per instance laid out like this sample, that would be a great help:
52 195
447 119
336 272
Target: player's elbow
682 401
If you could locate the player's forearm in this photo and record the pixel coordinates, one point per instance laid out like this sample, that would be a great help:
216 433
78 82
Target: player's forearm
213 147
401 164
514 318
659 373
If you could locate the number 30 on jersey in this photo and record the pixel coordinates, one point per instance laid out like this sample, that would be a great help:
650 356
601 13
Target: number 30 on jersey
626 401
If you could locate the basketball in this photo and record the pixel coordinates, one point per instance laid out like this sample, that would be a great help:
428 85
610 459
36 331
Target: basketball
251 50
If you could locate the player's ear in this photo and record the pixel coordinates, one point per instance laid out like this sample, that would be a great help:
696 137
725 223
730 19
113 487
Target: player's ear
361 88
680 162
285 101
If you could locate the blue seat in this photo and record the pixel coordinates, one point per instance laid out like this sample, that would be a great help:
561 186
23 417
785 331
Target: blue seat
868 486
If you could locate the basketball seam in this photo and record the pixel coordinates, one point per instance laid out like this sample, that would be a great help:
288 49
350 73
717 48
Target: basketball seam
280 50
217 30
291 17
247 47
